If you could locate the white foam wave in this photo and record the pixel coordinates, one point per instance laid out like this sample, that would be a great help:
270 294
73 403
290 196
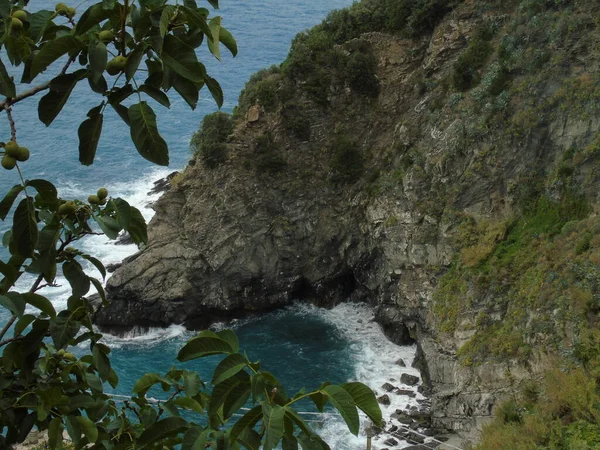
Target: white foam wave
374 358
146 337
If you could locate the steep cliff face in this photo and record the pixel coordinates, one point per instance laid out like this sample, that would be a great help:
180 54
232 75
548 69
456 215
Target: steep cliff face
405 192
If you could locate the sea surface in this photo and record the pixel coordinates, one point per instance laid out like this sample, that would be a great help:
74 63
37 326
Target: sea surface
302 345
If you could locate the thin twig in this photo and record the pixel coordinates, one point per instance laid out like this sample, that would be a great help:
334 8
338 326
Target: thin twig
160 408
8 341
31 92
11 121
125 13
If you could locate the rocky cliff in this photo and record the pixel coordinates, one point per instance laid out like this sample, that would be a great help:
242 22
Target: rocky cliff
445 170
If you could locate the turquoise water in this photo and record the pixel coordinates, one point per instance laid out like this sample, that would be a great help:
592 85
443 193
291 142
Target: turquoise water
302 345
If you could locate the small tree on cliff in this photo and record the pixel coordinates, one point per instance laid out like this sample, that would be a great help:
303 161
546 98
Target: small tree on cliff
42 384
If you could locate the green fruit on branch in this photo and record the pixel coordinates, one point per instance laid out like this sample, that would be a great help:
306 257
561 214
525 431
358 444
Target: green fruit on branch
106 36
61 7
102 193
93 200
8 162
20 14
116 65
22 154
71 12
16 24
12 149
70 357
67 208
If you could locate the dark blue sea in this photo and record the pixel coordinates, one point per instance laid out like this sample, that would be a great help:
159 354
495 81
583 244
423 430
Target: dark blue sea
302 345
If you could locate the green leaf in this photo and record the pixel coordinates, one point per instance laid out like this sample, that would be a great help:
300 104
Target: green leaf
89 135
109 226
213 44
187 89
145 135
93 381
46 190
7 85
41 303
14 303
237 398
55 430
214 3
9 199
38 21
197 21
160 430
98 56
156 94
123 211
97 264
146 382
133 60
123 112
215 90
74 429
229 367
101 362
91 17
52 103
247 421
100 290
188 403
53 50
23 323
365 399
228 41
203 346
231 338
312 442
182 59
289 443
137 227
273 422
195 439
89 429
79 281
165 19
191 383
344 403
25 231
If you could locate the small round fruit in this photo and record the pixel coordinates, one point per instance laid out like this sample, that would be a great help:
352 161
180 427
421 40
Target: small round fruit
116 65
22 154
20 14
94 200
61 352
102 193
16 24
8 162
106 35
12 148
67 208
70 357
71 12
60 7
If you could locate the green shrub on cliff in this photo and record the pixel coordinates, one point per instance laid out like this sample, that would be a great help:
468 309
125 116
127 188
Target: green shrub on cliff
563 415
346 161
209 141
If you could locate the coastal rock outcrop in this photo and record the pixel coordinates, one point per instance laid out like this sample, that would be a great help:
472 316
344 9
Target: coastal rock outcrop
443 174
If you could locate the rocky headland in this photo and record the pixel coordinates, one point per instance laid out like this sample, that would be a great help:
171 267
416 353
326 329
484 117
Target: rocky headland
445 171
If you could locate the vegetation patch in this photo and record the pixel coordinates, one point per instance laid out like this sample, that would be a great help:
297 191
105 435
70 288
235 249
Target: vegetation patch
560 414
346 163
209 141
268 155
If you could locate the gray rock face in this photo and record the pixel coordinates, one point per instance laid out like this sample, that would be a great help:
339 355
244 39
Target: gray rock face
236 240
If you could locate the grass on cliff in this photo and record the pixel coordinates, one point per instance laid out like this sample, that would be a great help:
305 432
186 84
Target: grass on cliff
209 141
562 412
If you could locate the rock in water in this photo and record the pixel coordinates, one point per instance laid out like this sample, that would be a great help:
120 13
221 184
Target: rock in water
410 380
